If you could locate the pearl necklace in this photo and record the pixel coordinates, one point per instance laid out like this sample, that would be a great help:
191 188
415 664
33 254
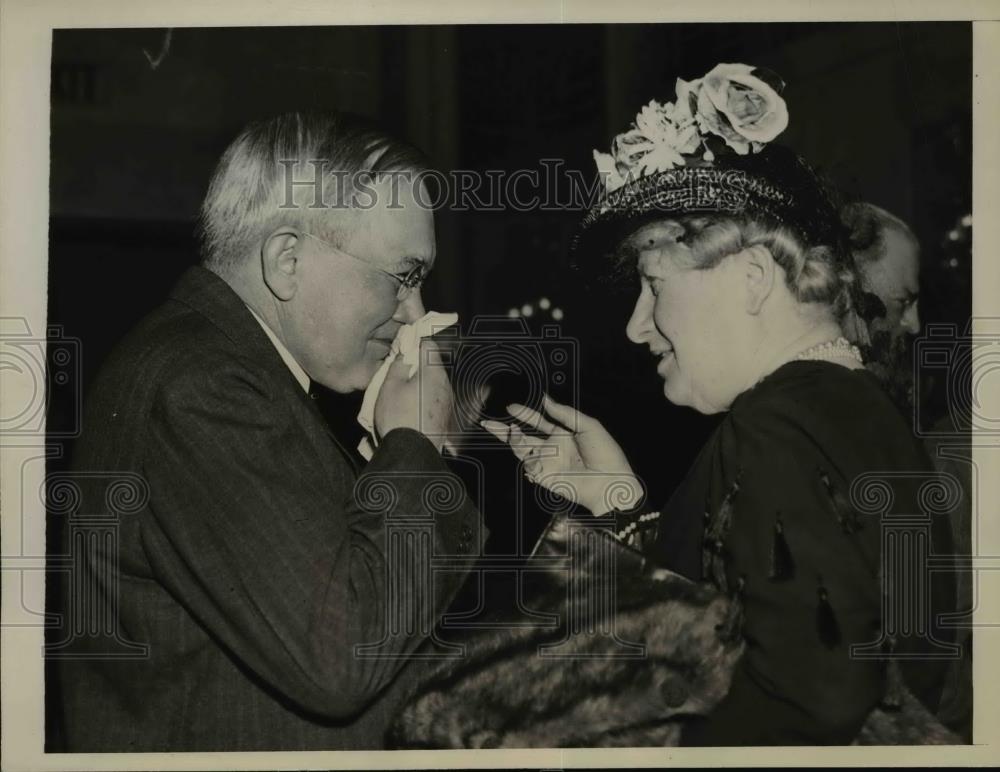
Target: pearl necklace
839 348
831 349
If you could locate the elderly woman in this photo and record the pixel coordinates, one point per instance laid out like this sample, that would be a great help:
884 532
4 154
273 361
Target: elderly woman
800 531
743 285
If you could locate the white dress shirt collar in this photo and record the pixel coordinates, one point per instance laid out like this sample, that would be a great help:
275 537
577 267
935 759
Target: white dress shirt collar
284 353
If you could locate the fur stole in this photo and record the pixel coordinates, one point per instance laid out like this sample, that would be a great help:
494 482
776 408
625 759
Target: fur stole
627 679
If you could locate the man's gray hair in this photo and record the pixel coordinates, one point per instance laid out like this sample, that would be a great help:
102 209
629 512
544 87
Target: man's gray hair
866 227
295 168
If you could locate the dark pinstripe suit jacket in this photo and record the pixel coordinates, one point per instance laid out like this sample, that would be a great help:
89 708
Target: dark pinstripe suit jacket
257 565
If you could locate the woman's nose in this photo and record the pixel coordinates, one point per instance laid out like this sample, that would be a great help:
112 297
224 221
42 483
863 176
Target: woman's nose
639 323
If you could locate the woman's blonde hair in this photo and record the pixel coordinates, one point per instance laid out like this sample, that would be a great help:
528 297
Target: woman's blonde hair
813 273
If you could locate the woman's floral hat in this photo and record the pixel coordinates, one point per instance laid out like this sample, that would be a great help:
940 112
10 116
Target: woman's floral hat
709 151
734 102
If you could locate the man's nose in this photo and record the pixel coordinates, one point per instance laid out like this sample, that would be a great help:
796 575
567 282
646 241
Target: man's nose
910 320
638 324
411 307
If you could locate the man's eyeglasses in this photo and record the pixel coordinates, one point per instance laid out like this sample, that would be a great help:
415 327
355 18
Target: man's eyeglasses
409 281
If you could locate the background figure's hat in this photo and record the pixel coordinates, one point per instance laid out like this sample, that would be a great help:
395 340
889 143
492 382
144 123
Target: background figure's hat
707 153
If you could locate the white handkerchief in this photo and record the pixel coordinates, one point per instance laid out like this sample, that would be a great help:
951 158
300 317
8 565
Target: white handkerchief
406 344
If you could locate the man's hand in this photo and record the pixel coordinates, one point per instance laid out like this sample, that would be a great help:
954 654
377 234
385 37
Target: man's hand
424 402
587 467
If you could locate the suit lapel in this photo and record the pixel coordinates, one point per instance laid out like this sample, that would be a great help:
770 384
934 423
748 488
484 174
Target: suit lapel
310 406
213 298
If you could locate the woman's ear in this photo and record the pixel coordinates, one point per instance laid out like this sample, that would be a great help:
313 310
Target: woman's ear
280 257
760 274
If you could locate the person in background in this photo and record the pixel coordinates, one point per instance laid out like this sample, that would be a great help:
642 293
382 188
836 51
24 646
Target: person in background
886 255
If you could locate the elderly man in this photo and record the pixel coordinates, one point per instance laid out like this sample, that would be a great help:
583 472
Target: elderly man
887 256
259 575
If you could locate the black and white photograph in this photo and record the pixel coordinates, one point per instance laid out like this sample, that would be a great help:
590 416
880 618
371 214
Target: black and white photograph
609 388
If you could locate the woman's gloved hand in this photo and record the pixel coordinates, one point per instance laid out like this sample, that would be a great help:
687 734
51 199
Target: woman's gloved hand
574 456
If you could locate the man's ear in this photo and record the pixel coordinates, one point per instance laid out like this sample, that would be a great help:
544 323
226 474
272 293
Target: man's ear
279 256
761 273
